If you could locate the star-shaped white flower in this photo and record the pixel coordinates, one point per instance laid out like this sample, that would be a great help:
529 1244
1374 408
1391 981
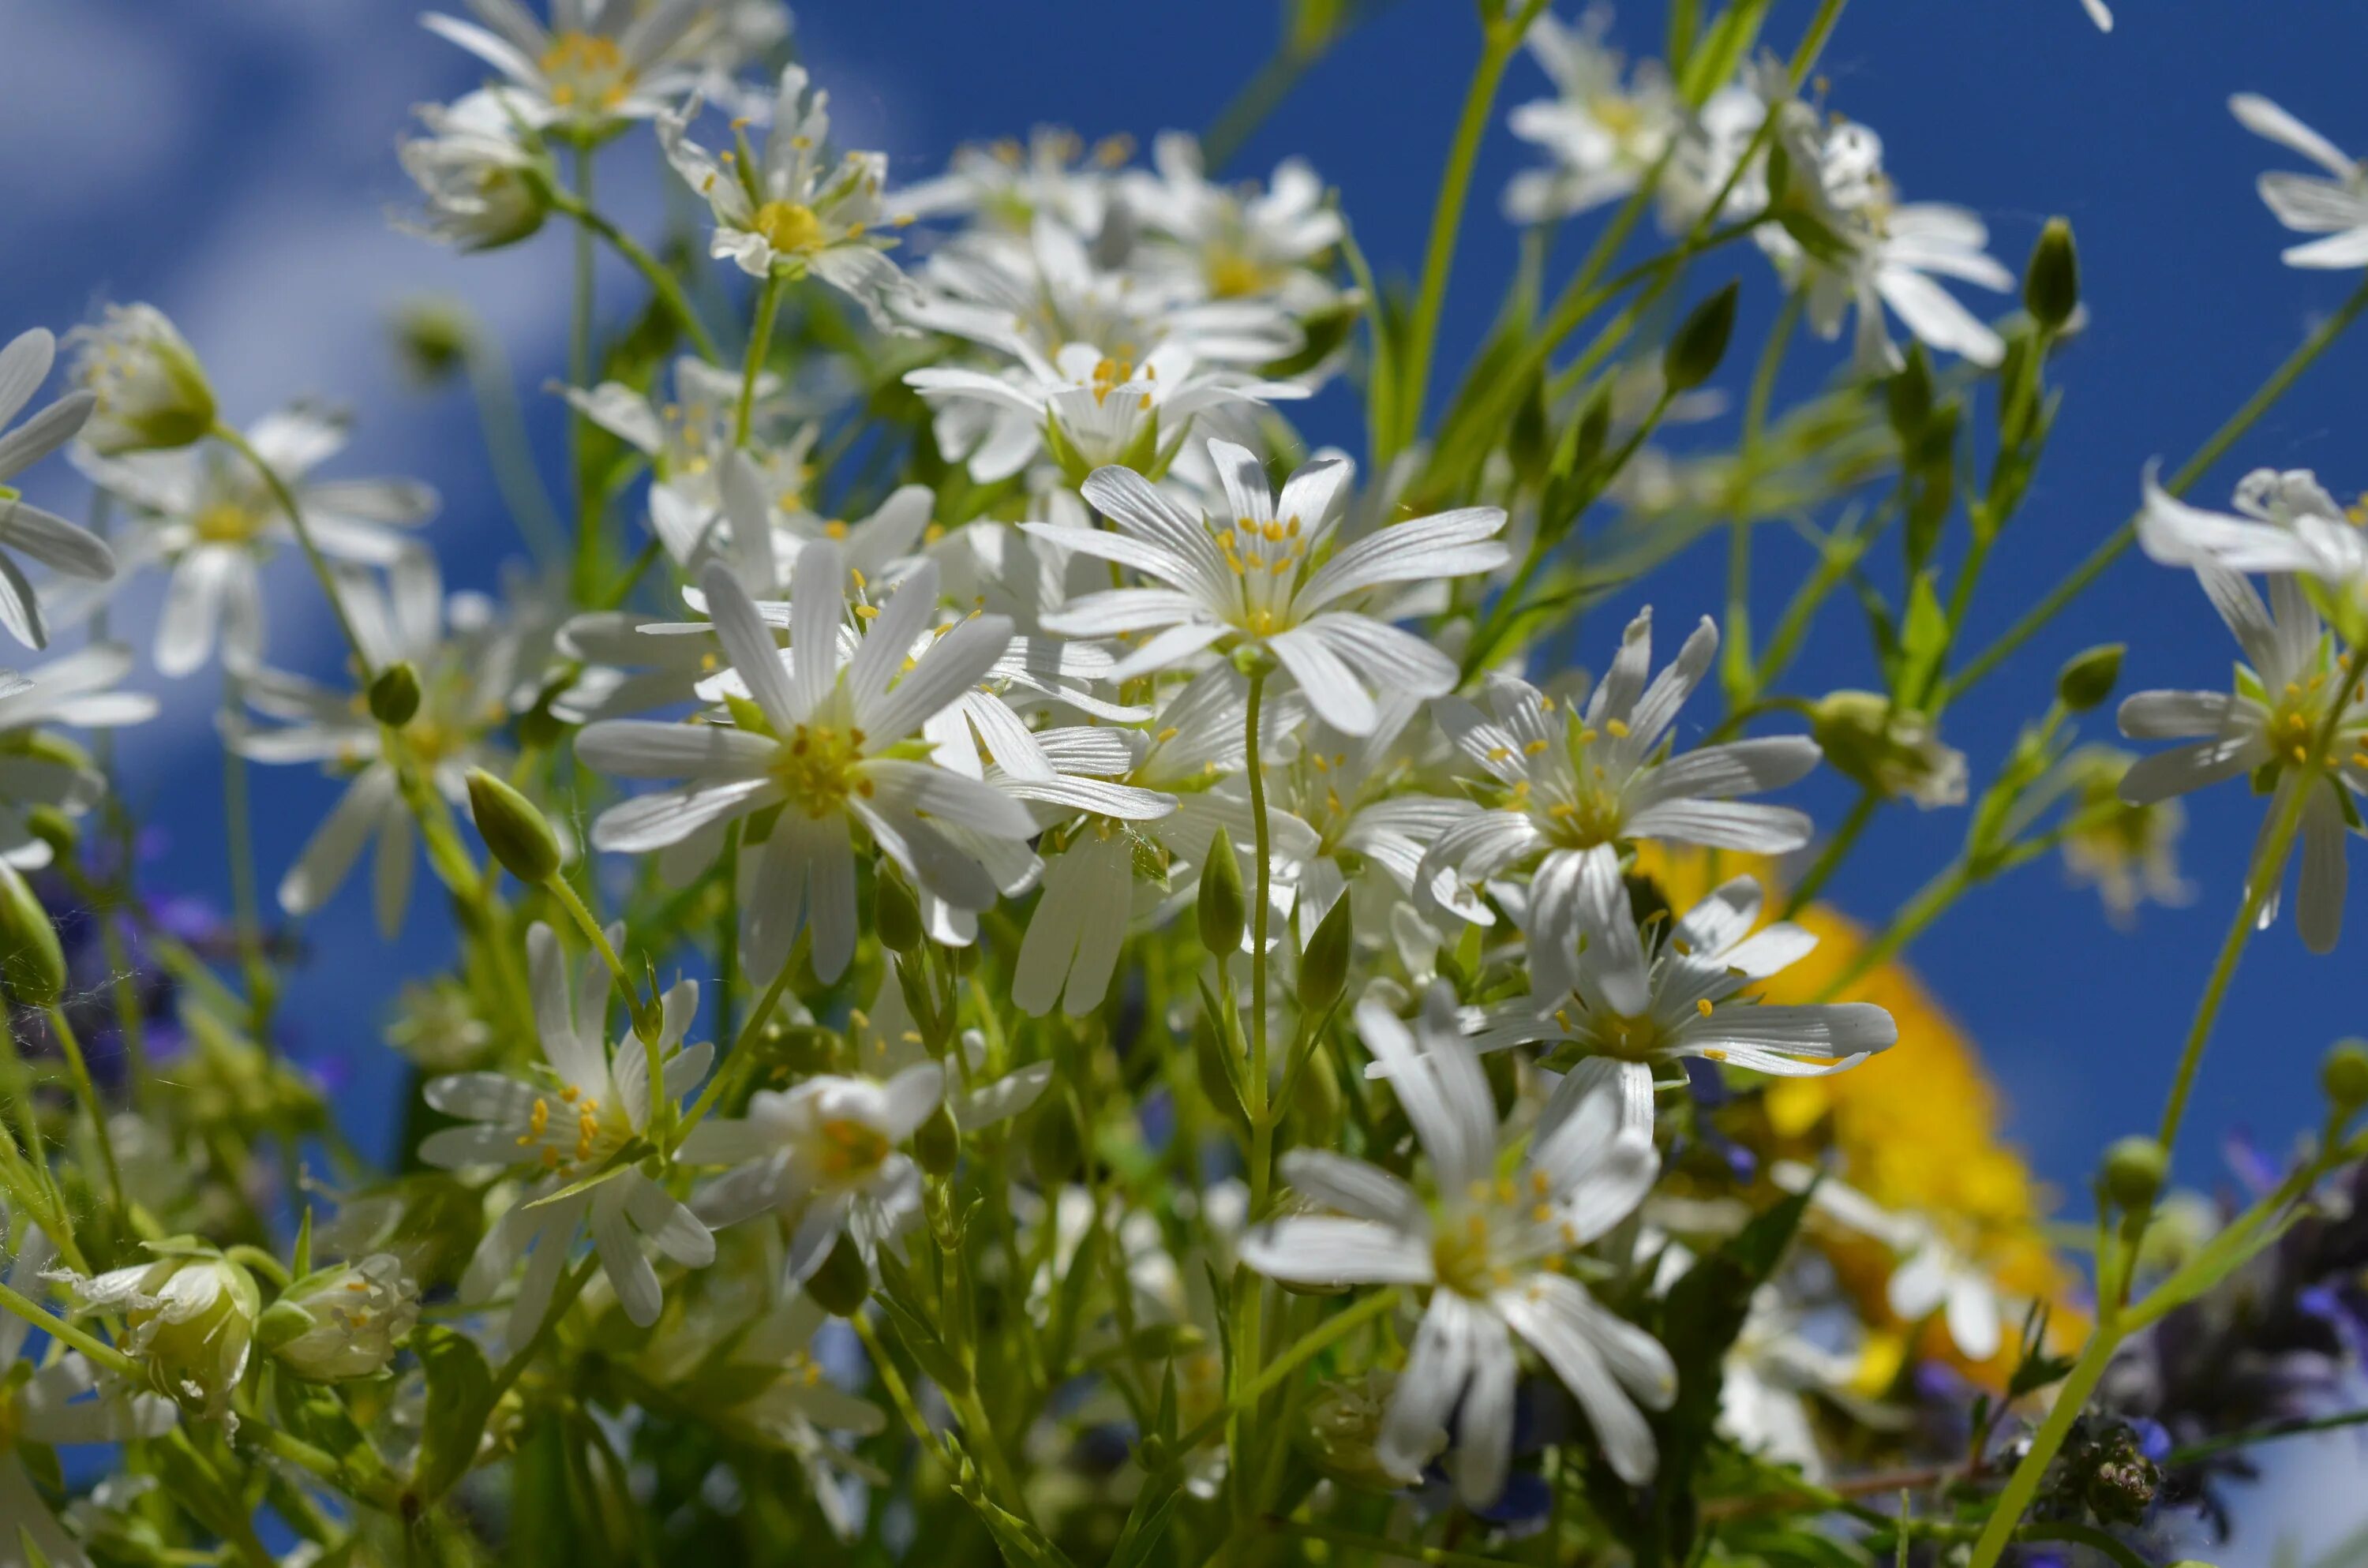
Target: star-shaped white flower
2334 205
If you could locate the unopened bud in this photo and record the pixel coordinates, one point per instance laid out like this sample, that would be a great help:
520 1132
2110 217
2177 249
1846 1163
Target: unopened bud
1222 909
342 1323
2135 1169
937 1142
394 694
843 1283
1324 967
32 964
1700 342
1907 396
2051 283
895 913
153 394
1530 442
2344 1074
432 338
2087 680
514 831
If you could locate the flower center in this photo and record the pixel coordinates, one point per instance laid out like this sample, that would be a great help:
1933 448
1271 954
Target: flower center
1589 817
572 1129
2293 724
1463 1255
816 768
586 71
1232 275
789 227
851 1150
1630 1039
227 522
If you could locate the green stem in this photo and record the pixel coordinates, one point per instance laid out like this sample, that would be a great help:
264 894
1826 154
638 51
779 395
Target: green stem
1829 861
1309 1345
287 501
1249 1347
563 1298
1737 666
2280 380
1388 1549
508 451
97 1349
246 912
2271 1432
87 1092
1498 42
741 1047
662 282
760 343
2023 1485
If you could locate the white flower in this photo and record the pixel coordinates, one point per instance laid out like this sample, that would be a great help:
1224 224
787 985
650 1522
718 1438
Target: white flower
827 741
152 392
48 1407
2289 522
1234 243
78 690
1638 998
1766 1379
887 1044
1604 135
191 1315
595 65
823 1156
1932 1276
1254 579
474 171
2099 14
794 211
597 1106
342 1321
2267 725
1005 186
1485 1244
46 537
2334 207
465 676
209 516
1562 782
1092 407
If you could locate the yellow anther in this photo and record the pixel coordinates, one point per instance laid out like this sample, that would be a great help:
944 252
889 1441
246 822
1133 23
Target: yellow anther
1702 1006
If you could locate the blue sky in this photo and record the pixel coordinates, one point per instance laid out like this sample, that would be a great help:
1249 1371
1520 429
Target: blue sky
235 164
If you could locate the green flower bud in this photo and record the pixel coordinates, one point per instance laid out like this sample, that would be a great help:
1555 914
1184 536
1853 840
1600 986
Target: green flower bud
1907 396
1223 908
843 1283
514 831
1895 753
1056 1145
2135 1167
432 338
2051 283
342 1323
2087 680
937 1142
1530 441
1700 343
153 393
1317 1103
191 1317
395 695
2344 1074
895 915
32 964
1324 967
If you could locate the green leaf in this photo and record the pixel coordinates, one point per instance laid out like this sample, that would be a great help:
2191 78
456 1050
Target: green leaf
460 1398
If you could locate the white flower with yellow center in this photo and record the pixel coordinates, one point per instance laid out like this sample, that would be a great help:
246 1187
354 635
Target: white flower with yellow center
467 662
796 211
1266 576
567 1125
1562 783
1489 1245
151 395
1681 989
2285 522
207 517
824 1156
1237 242
36 768
44 535
828 743
2266 728
595 65
1005 186
191 1315
2334 205
1603 133
475 171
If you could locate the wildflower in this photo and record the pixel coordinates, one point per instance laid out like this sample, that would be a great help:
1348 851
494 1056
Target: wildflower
150 393
594 68
209 517
44 535
342 1321
1604 135
47 1406
36 769
192 1314
2130 854
1238 243
1637 998
466 661
1255 581
794 212
1484 1244
2334 207
2287 522
887 1044
1567 783
824 1156
827 743
2266 728
1871 741
583 1126
476 171
1005 186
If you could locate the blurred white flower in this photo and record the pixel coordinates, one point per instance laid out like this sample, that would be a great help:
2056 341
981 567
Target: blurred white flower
2334 205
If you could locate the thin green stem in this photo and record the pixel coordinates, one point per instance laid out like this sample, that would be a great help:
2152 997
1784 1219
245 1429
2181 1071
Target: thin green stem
1837 849
508 447
2271 1432
66 1333
87 1092
1737 666
1309 1345
2007 1513
1249 1330
561 1299
286 499
741 1047
2264 398
662 282
760 344
246 903
1388 1549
